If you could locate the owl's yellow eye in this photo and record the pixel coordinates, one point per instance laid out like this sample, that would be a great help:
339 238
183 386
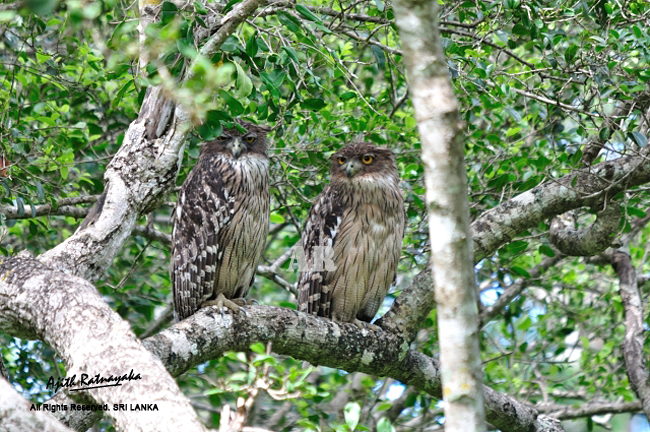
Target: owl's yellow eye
341 160
250 139
367 159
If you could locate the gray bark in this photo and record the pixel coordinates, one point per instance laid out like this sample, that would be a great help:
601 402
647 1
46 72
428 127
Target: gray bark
68 313
589 241
15 414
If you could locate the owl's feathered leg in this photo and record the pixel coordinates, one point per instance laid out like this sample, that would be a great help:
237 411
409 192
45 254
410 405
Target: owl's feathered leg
364 325
221 301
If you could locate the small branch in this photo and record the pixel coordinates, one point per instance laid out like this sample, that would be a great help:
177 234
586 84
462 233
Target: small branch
482 40
63 207
152 234
11 6
164 318
515 289
566 412
228 25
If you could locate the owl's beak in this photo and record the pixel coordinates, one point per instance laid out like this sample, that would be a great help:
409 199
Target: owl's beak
351 169
236 147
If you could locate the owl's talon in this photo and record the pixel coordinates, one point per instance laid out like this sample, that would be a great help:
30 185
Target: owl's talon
222 302
361 325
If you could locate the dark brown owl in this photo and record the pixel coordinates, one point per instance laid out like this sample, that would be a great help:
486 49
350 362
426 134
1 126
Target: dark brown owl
353 237
221 221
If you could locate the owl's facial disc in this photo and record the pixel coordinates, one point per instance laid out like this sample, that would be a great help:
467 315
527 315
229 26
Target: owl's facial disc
236 147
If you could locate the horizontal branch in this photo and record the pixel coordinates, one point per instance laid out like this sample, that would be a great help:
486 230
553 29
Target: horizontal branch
63 207
207 335
583 187
566 412
503 223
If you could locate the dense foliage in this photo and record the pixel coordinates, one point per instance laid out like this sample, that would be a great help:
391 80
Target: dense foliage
540 84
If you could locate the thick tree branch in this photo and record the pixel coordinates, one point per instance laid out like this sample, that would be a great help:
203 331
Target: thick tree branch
584 187
142 172
15 414
587 241
68 313
503 223
207 335
634 329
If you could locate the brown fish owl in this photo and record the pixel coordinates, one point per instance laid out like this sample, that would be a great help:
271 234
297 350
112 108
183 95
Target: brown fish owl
221 221
353 237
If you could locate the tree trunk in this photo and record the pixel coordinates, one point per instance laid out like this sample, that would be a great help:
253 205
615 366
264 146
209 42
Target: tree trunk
452 265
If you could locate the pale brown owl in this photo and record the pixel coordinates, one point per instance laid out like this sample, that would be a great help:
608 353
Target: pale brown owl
221 221
353 237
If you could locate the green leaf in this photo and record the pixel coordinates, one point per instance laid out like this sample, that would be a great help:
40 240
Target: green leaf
64 172
40 191
570 53
384 425
234 105
289 22
291 53
277 218
229 5
410 122
120 94
251 46
525 324
307 13
169 10
379 56
604 134
546 250
42 58
21 206
199 8
352 411
640 139
258 347
520 272
635 212
313 104
243 84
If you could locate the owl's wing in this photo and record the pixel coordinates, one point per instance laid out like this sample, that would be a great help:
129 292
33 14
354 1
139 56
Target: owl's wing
319 237
203 209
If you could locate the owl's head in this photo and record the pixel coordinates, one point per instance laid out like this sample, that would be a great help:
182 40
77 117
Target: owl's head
364 162
236 143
